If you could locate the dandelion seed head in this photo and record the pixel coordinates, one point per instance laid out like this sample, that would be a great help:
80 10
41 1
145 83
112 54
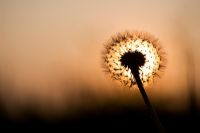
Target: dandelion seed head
127 49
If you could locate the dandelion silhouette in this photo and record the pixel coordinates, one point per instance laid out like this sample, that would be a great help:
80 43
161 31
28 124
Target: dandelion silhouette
135 58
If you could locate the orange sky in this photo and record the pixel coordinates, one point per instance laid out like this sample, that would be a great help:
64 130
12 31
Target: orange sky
51 50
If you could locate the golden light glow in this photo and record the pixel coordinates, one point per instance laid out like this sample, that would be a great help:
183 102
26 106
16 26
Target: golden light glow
131 42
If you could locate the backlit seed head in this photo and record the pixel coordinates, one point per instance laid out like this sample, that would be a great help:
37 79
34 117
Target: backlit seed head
128 50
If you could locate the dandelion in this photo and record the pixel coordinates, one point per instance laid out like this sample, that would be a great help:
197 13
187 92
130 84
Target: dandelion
133 49
135 59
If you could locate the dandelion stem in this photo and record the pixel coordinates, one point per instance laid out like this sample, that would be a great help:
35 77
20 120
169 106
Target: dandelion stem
147 102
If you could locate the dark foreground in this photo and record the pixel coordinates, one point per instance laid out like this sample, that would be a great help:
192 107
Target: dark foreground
126 120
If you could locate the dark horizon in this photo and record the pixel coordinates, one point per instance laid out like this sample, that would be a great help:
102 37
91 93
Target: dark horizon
109 115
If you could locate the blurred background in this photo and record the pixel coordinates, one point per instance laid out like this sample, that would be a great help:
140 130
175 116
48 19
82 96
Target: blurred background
50 64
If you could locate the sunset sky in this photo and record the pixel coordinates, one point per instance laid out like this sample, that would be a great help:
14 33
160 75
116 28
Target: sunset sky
50 52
